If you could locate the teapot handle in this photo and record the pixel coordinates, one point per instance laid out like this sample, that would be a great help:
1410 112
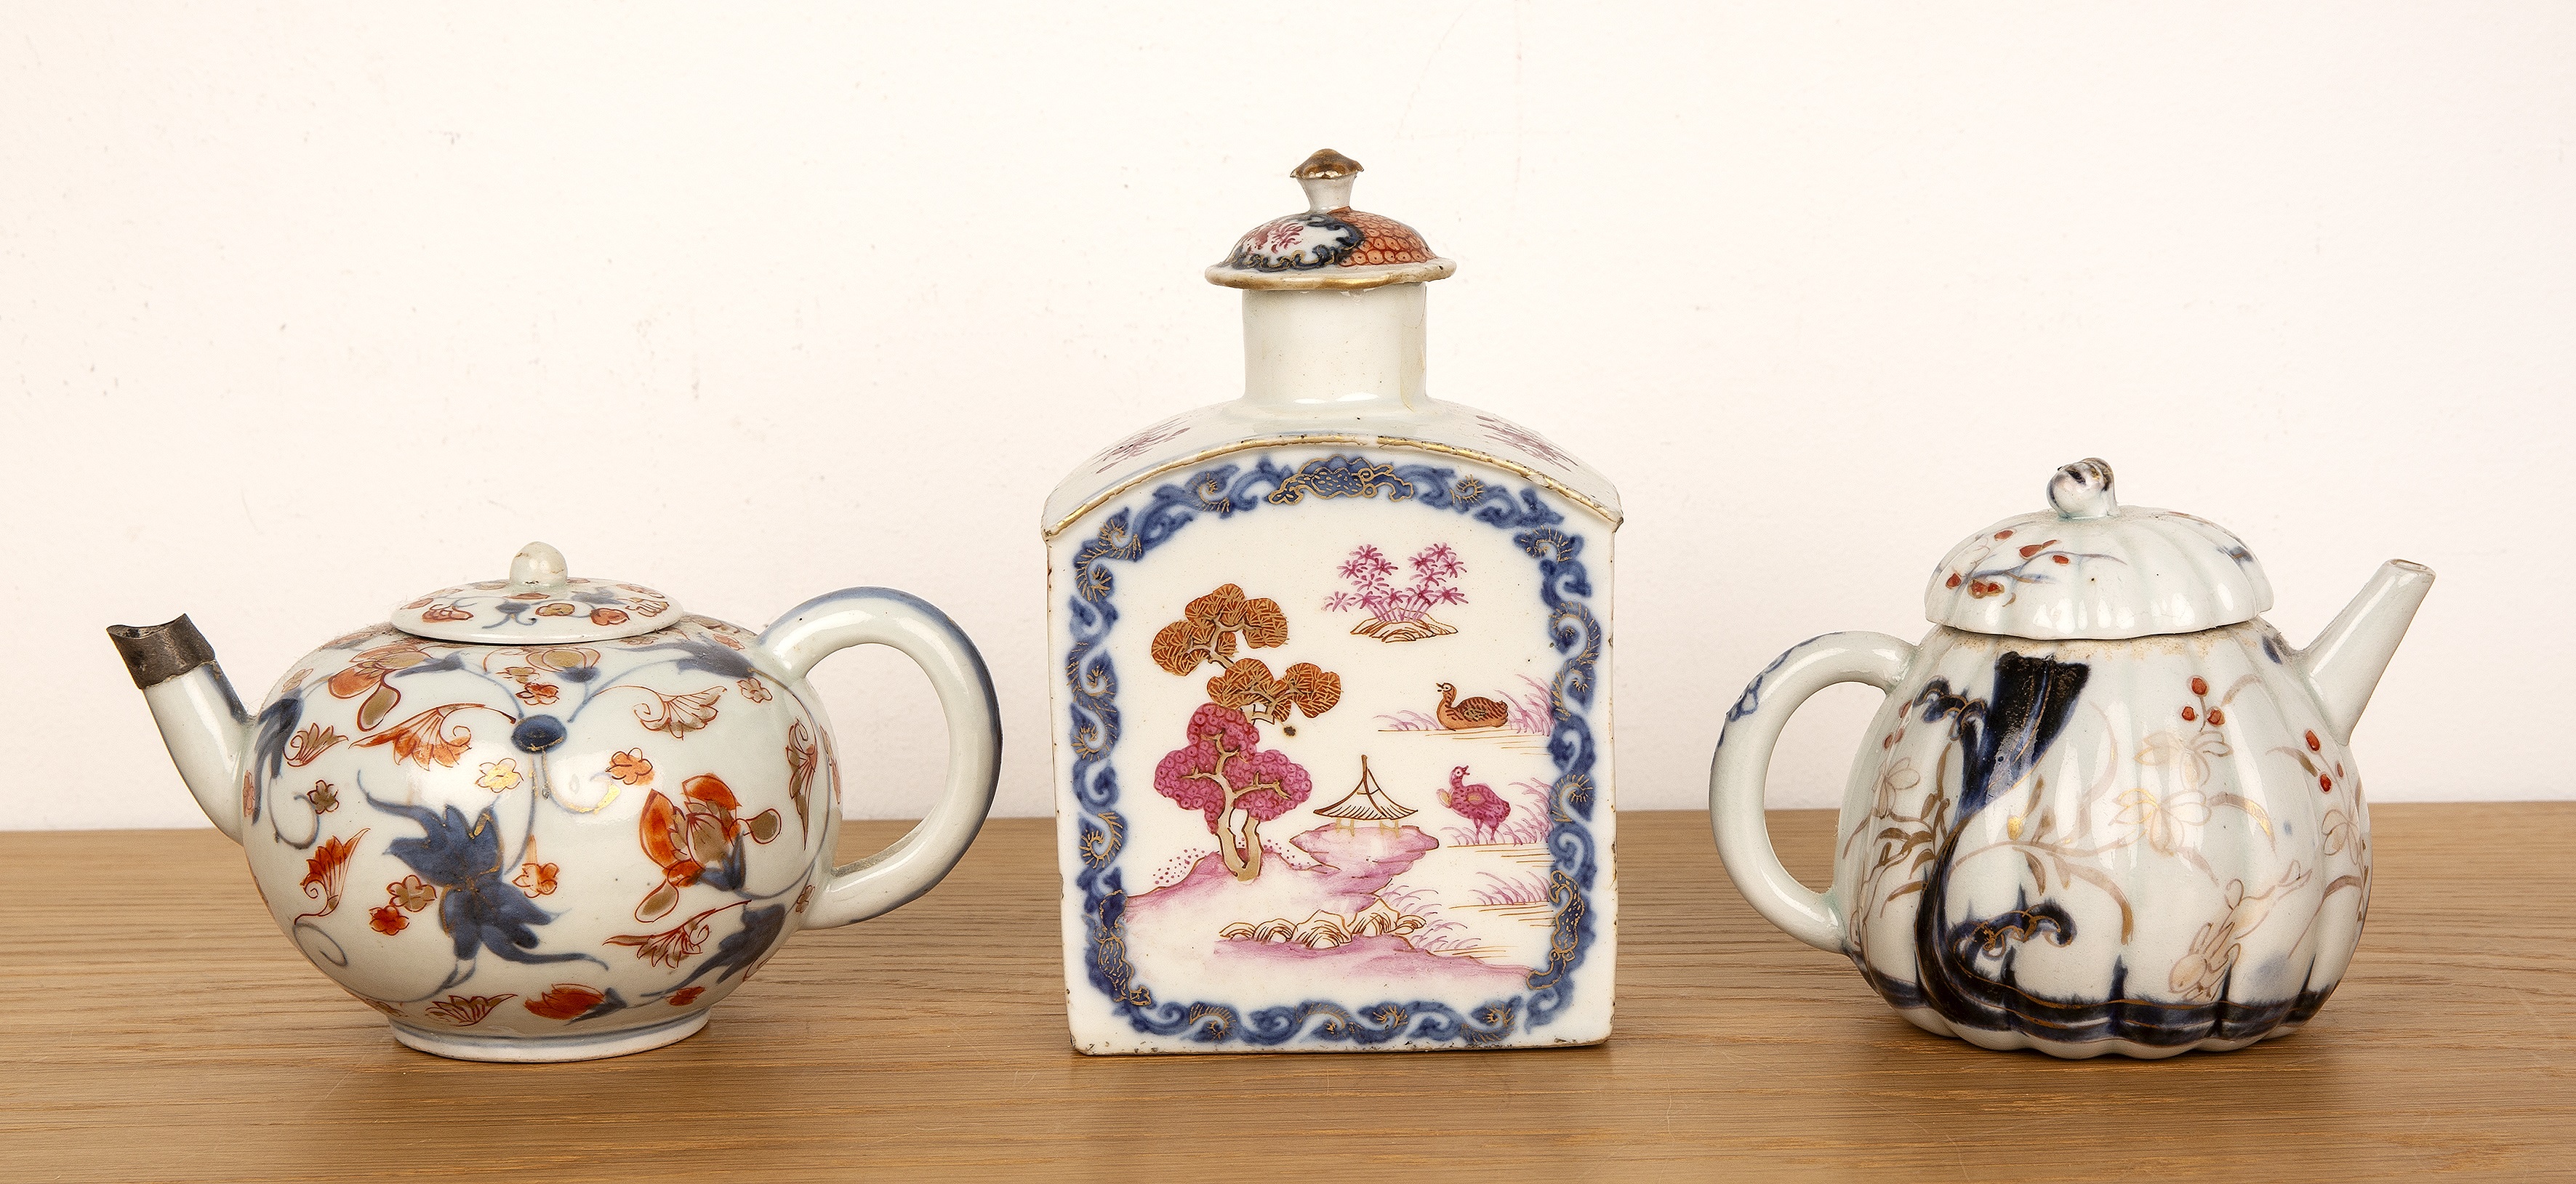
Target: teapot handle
1737 775
891 878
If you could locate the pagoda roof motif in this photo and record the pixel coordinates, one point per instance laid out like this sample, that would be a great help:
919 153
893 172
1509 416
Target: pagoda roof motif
1366 802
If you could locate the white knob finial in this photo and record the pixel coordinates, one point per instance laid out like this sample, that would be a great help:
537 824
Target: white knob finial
2083 490
539 565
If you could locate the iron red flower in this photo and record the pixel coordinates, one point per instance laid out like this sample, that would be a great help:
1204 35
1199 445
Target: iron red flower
565 1001
328 869
465 1011
537 879
631 767
424 738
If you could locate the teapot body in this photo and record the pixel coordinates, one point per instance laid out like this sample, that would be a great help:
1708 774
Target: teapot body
2139 846
545 851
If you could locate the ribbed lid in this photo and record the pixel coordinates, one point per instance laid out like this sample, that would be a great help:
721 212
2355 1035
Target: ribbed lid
1330 245
2092 568
538 605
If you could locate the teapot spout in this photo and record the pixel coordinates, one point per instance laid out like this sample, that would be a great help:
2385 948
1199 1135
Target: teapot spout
202 721
2344 663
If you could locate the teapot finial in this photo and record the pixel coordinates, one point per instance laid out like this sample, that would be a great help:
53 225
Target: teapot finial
2083 490
539 565
1327 177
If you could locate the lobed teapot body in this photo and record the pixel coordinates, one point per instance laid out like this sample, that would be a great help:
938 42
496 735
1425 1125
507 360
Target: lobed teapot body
553 818
2105 808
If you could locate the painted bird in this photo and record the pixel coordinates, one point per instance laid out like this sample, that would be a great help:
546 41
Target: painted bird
1479 803
1460 715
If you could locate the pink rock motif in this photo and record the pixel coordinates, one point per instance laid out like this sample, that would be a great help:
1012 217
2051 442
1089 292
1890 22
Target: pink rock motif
1387 958
1339 909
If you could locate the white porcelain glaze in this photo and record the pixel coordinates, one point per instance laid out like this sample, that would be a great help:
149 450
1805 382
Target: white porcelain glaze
571 839
1331 667
2124 843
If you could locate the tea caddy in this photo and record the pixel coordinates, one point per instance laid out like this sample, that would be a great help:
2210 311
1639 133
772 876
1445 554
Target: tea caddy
552 818
1331 667
2105 808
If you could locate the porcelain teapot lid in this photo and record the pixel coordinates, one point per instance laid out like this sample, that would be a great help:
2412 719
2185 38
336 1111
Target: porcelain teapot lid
2091 568
1329 245
539 604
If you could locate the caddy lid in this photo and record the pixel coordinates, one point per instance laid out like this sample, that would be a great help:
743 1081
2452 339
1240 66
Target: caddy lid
2089 567
540 604
1329 245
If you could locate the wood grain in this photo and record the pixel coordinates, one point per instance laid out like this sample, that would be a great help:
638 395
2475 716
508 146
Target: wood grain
156 1027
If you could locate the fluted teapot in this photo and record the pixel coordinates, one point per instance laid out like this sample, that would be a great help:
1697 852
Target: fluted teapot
2105 808
551 818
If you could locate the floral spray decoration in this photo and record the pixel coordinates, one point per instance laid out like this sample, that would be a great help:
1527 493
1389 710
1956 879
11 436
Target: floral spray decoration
1400 612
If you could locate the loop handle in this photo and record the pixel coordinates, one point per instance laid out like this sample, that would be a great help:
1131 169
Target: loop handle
1737 775
909 867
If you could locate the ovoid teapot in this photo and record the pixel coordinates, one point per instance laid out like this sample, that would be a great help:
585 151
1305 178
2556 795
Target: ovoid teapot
2105 807
551 818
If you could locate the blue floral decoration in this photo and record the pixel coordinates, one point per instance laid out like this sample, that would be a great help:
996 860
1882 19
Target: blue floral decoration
475 905
742 948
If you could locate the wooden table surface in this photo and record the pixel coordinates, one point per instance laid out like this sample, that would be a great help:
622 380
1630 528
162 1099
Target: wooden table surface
155 1026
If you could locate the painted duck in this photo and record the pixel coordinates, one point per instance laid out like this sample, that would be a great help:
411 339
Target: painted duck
1461 715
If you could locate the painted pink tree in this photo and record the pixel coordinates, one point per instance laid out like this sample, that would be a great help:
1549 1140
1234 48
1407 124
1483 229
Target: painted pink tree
1478 803
1224 773
1400 612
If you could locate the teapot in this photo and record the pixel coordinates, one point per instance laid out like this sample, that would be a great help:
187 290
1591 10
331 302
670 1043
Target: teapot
2105 808
553 818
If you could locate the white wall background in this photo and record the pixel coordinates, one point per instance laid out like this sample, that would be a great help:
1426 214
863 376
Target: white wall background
304 311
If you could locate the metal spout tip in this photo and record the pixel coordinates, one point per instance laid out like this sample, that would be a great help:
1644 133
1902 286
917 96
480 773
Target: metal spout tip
155 654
